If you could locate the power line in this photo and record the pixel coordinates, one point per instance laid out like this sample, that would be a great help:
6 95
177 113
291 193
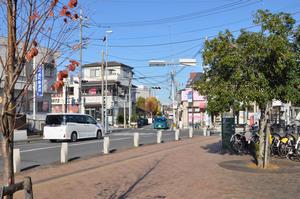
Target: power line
203 13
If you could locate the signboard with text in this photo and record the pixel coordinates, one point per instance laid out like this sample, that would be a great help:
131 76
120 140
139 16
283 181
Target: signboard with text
39 82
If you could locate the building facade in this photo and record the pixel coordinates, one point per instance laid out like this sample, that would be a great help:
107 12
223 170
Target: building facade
46 72
119 90
192 108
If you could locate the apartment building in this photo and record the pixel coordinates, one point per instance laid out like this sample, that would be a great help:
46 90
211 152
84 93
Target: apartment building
119 87
46 76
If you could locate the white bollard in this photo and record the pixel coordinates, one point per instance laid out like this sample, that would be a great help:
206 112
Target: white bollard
177 133
159 135
106 145
136 139
204 131
64 153
17 160
191 132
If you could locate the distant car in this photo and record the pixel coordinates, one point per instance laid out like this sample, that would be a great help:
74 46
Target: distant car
71 126
142 122
160 123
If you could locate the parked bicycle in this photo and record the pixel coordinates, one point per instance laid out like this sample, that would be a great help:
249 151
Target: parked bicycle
243 142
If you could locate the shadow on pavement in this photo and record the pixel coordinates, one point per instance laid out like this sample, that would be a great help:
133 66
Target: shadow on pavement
126 193
72 159
217 148
30 167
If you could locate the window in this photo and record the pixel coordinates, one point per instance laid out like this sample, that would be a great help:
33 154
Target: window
71 118
94 73
43 106
54 119
80 119
70 90
90 120
47 70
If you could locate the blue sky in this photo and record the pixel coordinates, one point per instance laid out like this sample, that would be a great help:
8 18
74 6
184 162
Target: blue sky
167 30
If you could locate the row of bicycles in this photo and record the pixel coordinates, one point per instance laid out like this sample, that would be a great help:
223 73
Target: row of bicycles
284 144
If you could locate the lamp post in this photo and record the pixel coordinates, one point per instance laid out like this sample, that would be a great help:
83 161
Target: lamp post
106 61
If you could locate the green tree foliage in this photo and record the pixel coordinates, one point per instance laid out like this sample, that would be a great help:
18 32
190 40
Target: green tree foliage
253 67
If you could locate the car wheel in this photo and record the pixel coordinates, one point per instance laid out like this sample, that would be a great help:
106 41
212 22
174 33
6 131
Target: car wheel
74 137
52 140
99 134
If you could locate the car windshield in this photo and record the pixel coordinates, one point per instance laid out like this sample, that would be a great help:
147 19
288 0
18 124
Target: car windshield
160 119
54 119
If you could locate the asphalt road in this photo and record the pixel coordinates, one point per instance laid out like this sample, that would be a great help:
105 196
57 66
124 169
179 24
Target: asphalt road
42 152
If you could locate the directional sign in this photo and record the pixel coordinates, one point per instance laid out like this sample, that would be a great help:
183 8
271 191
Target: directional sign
39 82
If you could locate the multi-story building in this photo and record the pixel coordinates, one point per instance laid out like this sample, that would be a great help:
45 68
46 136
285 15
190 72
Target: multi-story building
119 86
192 109
47 73
67 100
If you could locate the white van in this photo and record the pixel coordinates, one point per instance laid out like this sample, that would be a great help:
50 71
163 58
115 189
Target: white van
71 126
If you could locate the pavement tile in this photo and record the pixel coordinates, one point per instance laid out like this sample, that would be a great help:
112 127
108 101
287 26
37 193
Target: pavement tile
185 169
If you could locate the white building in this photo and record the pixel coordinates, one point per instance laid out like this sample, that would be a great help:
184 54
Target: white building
48 69
119 84
142 91
71 97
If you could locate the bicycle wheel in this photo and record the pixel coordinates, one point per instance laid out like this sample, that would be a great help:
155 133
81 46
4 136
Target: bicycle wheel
275 142
237 143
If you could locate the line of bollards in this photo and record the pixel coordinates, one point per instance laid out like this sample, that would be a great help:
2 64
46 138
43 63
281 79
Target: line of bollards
64 153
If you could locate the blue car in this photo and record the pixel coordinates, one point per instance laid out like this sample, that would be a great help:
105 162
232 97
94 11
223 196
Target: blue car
160 123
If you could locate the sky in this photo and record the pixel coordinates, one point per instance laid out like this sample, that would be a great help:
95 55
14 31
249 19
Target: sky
168 30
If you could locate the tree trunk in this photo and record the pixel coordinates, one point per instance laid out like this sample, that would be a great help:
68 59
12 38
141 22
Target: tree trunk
264 134
9 110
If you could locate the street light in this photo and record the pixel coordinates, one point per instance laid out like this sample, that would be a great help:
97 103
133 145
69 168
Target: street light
106 47
162 63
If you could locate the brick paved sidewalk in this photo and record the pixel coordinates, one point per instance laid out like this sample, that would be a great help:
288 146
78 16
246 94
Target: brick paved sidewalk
185 169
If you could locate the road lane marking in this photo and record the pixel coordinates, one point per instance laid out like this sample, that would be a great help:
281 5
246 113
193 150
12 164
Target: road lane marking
77 144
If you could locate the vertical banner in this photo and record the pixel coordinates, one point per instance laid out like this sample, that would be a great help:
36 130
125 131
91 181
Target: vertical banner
190 96
39 82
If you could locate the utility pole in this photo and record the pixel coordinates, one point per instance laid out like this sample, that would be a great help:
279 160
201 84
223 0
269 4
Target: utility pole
173 97
102 90
81 105
34 93
125 110
129 99
106 65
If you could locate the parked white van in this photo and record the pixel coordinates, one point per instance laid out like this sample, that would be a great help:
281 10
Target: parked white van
71 126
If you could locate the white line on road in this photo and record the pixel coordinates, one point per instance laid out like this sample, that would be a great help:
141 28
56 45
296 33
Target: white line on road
76 144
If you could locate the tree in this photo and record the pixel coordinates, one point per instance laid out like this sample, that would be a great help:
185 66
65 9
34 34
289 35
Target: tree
254 67
32 29
140 103
152 105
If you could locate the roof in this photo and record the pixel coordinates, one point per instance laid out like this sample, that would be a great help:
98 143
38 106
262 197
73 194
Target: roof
109 64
